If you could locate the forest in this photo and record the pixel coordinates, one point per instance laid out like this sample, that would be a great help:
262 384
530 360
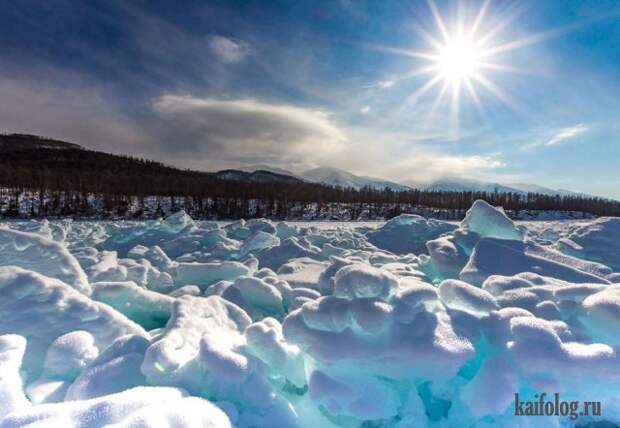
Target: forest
42 177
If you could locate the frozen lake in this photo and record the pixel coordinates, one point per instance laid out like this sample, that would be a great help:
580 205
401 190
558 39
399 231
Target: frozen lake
405 323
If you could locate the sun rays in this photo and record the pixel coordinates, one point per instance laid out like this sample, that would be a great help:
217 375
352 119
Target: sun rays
460 60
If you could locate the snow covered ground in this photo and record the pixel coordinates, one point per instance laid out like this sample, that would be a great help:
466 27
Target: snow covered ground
408 323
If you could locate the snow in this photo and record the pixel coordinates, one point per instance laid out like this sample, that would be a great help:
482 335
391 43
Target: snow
66 357
357 281
12 398
302 272
592 240
465 297
203 274
415 322
502 257
42 309
147 308
408 233
40 254
141 406
115 370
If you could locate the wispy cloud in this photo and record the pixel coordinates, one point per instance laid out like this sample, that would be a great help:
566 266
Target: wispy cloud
228 50
565 134
558 136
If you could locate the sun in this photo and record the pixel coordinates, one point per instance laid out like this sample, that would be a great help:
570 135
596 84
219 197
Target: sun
459 59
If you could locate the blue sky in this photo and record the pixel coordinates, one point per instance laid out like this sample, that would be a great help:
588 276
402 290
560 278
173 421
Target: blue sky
297 84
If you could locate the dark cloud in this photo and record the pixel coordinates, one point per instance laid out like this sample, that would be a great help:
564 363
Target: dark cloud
68 108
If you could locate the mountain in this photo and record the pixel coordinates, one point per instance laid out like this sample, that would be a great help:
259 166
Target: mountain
258 176
457 184
339 177
464 185
331 177
535 188
268 168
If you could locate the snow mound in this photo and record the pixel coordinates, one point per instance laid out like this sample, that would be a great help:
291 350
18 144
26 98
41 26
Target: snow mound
291 248
598 240
34 252
170 358
602 315
408 233
116 369
462 296
389 342
146 308
357 281
43 309
303 272
66 357
493 256
203 274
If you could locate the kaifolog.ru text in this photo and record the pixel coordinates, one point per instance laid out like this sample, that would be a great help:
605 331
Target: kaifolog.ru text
554 406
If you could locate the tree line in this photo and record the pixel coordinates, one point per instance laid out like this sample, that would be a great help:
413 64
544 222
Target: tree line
72 181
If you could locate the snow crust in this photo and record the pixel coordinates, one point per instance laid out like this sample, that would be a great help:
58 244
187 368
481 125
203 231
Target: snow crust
417 322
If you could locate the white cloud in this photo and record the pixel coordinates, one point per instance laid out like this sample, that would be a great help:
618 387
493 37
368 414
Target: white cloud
365 109
566 134
384 84
228 50
247 130
426 166
404 157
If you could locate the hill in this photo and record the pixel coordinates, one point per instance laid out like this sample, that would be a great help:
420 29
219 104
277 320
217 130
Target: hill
14 142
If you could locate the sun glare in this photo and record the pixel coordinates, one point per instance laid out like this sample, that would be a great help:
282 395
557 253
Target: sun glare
458 59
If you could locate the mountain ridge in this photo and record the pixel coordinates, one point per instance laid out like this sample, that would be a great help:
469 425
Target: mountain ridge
339 177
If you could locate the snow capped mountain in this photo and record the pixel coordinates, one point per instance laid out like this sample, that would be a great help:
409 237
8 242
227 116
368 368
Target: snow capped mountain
535 188
460 184
330 176
339 177
464 184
